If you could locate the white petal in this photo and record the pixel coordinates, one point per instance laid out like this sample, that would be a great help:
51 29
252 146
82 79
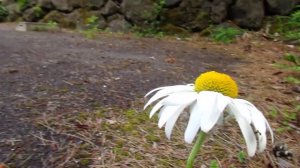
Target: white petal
221 119
243 108
270 130
166 113
165 91
246 129
262 141
258 122
181 98
193 124
154 90
258 119
156 108
211 105
171 122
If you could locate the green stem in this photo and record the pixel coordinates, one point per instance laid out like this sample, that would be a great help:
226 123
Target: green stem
196 148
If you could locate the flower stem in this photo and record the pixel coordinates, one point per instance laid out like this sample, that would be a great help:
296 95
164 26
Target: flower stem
196 149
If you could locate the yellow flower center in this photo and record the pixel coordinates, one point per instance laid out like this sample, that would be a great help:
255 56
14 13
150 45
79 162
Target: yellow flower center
217 82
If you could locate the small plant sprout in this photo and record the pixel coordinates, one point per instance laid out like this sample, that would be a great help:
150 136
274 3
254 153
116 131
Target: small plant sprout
207 100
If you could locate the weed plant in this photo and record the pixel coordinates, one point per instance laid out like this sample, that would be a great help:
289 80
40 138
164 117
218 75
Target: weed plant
225 34
3 12
288 27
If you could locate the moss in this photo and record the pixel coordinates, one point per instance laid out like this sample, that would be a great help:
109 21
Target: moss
84 162
138 156
152 138
83 154
83 116
121 152
85 146
99 113
120 143
128 127
130 114
135 121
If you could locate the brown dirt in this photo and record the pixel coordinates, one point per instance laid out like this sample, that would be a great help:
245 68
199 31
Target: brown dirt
55 74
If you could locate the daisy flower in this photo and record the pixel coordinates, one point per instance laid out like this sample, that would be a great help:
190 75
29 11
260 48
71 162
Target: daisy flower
207 100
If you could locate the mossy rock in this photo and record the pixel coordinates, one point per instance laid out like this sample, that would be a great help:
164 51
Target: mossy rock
83 15
201 21
190 15
14 12
33 14
60 18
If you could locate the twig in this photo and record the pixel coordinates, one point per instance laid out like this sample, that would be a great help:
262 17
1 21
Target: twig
28 158
69 157
83 139
43 139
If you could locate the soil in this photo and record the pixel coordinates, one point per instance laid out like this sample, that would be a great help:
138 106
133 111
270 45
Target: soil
64 72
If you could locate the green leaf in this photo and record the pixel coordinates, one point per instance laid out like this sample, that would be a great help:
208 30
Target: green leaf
214 164
292 58
242 157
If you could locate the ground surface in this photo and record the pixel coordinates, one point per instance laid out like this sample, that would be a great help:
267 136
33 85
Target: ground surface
69 101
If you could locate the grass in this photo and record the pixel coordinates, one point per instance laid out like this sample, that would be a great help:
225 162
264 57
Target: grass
293 65
225 34
51 26
151 31
286 27
92 27
288 118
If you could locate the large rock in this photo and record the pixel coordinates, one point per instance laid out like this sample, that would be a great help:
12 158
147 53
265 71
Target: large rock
13 12
247 13
31 3
8 2
117 23
81 18
139 11
61 18
280 7
219 10
192 15
47 4
110 8
33 14
172 3
92 4
66 5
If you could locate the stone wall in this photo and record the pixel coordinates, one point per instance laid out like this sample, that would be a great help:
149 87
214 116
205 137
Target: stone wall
120 15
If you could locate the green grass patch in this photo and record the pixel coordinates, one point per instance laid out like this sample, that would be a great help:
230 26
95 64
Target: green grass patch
3 12
225 34
292 65
286 27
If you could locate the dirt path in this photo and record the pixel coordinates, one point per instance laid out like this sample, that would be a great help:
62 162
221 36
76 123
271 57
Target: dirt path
43 72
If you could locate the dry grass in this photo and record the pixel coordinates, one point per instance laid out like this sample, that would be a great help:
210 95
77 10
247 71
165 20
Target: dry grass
100 139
